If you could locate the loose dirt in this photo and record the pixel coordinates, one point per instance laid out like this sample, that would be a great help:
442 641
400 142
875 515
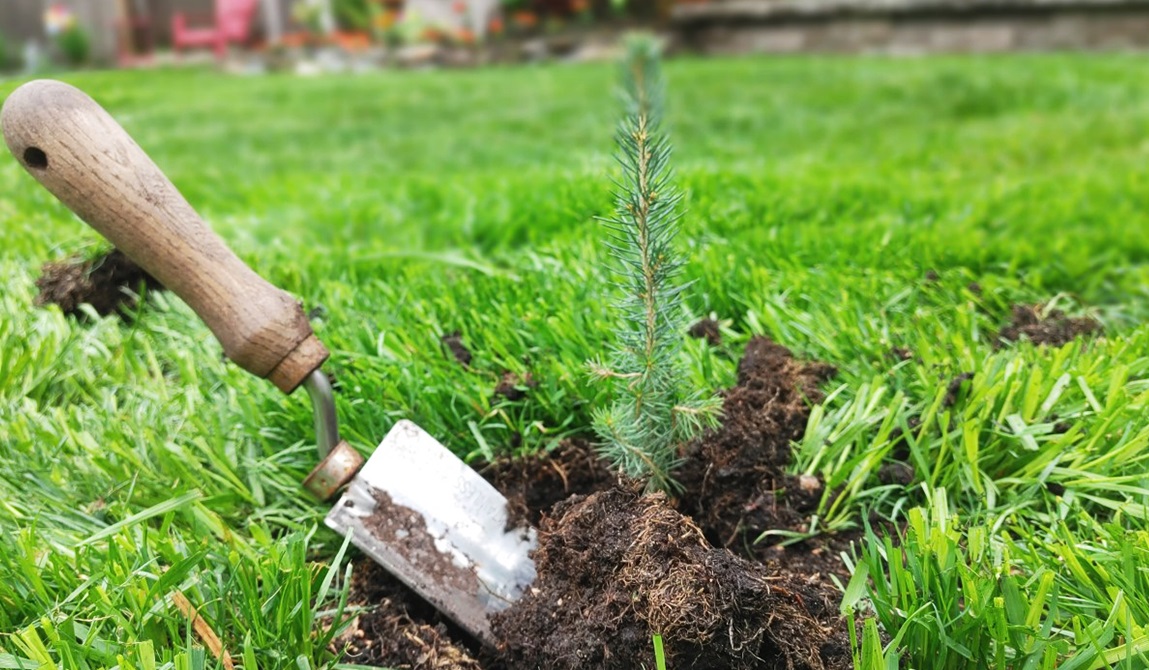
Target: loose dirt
954 389
1053 328
896 472
398 629
514 387
405 531
533 485
107 283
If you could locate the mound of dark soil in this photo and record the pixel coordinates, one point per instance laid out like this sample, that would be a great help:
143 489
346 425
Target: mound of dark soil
734 482
617 567
106 283
1054 329
399 630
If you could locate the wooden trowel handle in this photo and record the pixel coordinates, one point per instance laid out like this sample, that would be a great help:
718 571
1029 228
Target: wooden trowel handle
79 153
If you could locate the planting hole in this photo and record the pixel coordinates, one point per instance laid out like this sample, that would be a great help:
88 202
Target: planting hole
35 157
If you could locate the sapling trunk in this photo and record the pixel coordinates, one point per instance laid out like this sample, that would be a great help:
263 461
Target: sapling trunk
653 413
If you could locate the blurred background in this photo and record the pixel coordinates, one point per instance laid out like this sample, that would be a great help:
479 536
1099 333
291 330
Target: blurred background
325 35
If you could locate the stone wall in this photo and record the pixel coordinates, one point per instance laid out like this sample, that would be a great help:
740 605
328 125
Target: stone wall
911 27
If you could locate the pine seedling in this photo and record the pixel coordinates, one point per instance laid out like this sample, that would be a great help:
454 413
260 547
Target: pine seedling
653 412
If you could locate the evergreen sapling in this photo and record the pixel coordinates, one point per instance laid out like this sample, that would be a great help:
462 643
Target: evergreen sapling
653 413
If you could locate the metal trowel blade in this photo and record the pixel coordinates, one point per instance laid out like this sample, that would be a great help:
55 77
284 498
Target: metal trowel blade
433 522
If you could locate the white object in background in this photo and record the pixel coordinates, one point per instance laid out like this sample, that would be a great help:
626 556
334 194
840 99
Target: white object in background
33 56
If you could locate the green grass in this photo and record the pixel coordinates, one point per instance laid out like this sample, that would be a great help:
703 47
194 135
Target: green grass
408 205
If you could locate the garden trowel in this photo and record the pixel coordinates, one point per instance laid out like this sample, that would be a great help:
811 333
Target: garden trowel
413 506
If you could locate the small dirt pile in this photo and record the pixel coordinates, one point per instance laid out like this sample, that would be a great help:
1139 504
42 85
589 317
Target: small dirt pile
617 567
1054 328
105 282
734 480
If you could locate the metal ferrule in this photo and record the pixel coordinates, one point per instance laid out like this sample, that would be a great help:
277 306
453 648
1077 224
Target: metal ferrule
338 461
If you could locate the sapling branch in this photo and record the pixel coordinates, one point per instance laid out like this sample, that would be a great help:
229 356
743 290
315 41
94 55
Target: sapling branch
653 412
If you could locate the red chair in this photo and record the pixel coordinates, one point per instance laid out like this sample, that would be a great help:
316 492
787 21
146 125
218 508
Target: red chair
233 22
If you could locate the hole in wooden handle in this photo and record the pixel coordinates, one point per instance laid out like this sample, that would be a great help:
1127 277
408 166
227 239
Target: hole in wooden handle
34 157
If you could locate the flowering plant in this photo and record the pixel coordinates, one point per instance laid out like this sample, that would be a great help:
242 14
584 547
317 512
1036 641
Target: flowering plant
70 37
58 18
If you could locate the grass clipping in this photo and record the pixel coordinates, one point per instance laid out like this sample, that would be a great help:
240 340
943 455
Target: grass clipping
653 412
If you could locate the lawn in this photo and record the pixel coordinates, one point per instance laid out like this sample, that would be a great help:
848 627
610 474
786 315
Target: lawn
842 207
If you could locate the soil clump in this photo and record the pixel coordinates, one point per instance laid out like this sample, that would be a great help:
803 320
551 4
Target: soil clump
707 329
453 342
1054 328
105 282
